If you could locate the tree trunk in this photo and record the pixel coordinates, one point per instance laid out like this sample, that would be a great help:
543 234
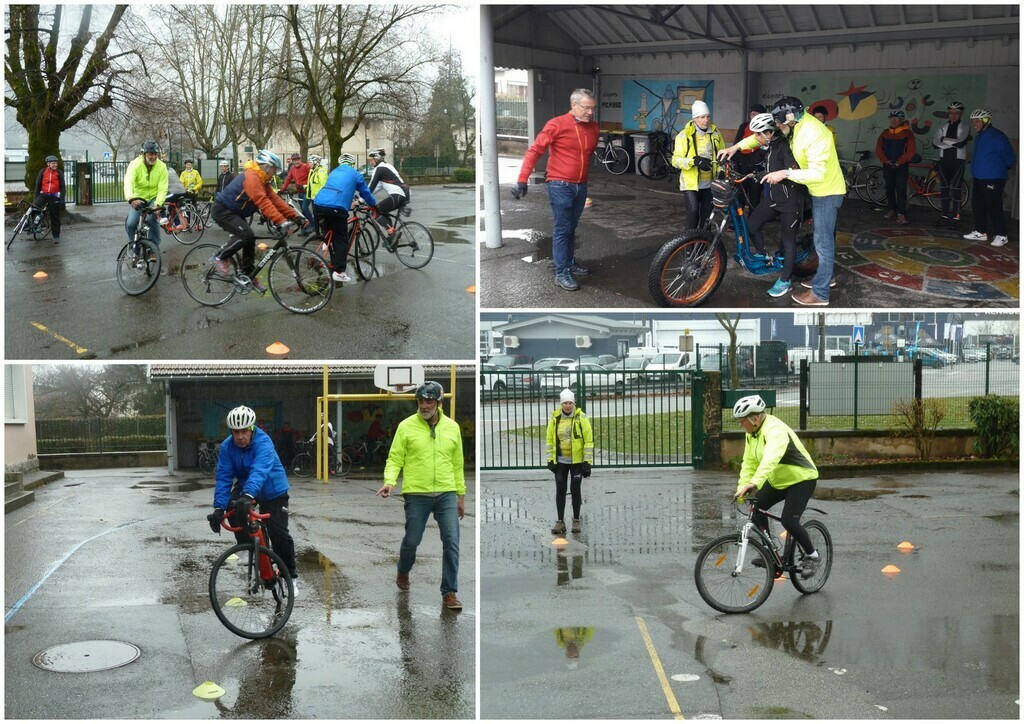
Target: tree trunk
43 141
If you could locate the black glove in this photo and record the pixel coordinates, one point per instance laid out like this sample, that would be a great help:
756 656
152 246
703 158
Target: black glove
704 164
215 518
552 466
519 190
586 470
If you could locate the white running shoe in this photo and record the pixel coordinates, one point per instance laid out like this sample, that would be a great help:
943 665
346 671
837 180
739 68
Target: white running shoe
341 277
976 236
295 590
999 241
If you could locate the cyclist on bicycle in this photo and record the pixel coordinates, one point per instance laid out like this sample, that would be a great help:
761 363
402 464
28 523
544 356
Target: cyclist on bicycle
191 180
249 471
317 178
331 207
145 186
397 190
779 468
330 445
50 193
234 206
176 193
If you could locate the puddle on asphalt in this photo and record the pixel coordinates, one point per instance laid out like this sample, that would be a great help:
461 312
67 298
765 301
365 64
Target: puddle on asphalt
441 235
459 221
572 640
890 482
848 494
160 486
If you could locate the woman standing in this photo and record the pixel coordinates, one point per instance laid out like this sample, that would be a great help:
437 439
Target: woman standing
570 454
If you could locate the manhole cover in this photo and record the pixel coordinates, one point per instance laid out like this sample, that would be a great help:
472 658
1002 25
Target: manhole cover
85 656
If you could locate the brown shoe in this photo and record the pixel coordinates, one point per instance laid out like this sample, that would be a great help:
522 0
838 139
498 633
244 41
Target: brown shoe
402 581
558 528
577 525
451 602
901 219
809 299
890 214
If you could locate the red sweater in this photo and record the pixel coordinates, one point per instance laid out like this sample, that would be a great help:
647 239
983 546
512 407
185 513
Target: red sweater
569 143
299 173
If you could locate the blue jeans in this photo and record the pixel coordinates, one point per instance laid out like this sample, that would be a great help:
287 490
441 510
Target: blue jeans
132 222
824 209
306 207
567 203
446 512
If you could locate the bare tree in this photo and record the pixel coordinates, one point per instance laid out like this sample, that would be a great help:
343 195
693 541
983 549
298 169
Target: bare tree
50 96
730 326
91 391
114 127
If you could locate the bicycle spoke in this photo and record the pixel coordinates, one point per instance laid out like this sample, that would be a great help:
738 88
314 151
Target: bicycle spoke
413 245
138 267
300 280
202 281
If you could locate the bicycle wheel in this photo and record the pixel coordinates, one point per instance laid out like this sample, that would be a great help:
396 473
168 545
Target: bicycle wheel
302 465
860 184
247 605
18 229
186 227
355 455
618 161
687 270
413 245
874 187
300 280
933 192
202 281
823 544
344 464
138 266
41 225
722 587
652 165
364 254
207 462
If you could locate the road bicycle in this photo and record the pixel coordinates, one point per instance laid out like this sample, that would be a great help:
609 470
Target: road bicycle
925 182
205 208
209 453
138 262
410 241
656 164
735 573
33 221
689 268
857 176
304 462
322 244
367 454
299 278
250 586
183 220
614 157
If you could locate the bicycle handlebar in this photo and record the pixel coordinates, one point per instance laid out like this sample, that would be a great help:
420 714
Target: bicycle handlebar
253 516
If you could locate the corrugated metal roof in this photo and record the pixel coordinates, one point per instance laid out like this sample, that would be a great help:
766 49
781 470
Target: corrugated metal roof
184 370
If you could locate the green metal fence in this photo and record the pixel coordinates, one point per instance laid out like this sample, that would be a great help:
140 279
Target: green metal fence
14 171
639 419
99 435
106 179
512 117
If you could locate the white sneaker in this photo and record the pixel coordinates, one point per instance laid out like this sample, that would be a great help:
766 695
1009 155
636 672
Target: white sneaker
976 236
295 590
999 241
341 277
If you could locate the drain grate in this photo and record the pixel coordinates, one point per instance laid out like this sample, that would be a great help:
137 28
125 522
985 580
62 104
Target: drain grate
86 656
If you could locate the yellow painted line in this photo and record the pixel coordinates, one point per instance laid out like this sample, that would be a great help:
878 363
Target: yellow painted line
38 512
673 705
60 338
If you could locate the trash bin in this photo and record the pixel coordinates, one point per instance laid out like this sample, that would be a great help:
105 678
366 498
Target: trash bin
639 149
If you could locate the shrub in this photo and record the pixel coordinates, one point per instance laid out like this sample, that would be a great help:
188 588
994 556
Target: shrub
919 420
996 423
463 175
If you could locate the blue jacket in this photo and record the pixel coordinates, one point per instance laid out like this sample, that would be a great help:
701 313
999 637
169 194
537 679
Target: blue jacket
993 155
257 469
340 189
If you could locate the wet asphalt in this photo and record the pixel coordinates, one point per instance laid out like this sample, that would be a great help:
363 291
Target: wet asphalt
632 217
579 631
78 311
125 555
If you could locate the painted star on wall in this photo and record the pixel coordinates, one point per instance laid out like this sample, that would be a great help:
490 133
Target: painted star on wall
855 94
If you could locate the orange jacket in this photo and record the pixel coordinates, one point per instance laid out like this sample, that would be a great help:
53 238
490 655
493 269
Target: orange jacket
570 144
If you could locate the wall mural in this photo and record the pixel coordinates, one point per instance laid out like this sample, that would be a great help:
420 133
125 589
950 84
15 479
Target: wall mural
858 109
662 105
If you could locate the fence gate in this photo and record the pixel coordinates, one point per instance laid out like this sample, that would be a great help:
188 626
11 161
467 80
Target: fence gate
639 419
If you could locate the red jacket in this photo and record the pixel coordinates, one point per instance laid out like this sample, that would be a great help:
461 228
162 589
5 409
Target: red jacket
896 145
299 173
569 143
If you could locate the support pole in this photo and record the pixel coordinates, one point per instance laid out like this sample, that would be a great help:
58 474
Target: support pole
488 159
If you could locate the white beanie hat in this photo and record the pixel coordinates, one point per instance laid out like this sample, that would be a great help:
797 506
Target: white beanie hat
567 396
699 108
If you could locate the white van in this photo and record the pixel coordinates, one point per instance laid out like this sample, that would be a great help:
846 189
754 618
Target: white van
666 361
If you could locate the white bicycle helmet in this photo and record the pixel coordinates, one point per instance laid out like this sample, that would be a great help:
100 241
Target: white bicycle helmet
347 158
313 159
762 122
955 106
749 405
980 114
241 418
269 158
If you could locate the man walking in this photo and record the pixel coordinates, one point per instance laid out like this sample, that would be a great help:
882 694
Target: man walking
427 451
570 140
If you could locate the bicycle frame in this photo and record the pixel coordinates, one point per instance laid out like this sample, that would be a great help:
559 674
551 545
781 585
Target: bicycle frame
783 563
258 536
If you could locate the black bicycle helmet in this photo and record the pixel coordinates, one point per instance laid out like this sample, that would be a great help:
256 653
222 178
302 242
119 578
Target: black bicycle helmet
430 390
52 158
787 106
150 147
758 108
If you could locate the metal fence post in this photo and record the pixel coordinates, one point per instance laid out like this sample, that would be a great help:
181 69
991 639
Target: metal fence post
697 419
804 377
917 378
988 363
856 387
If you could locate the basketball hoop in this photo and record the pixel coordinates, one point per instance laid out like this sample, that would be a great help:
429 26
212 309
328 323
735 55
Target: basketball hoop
398 378
402 388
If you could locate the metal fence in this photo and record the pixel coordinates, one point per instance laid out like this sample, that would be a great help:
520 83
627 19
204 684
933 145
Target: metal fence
638 420
512 117
416 166
100 435
15 171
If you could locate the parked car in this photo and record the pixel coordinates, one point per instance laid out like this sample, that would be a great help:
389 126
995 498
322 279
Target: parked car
929 357
495 381
509 360
631 368
605 360
545 362
669 362
594 378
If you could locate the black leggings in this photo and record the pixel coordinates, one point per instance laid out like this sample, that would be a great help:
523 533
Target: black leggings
698 207
951 173
277 528
563 474
52 206
243 238
987 203
796 496
336 222
387 205
790 223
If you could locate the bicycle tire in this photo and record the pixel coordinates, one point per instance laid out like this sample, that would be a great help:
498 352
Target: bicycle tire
344 464
618 161
302 465
138 266
193 229
355 454
207 462
822 541
933 192
41 229
874 187
720 586
860 183
652 165
364 254
687 270
18 228
245 613
201 280
300 280
413 245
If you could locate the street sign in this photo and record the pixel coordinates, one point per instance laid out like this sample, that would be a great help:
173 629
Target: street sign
107 156
858 334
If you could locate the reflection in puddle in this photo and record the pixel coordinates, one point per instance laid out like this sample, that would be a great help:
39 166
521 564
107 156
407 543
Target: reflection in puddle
572 639
805 640
570 566
848 494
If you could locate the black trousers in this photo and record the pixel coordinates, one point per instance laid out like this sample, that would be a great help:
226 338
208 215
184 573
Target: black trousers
790 223
698 207
987 202
336 222
277 528
243 238
796 496
896 187
951 173
53 207
568 478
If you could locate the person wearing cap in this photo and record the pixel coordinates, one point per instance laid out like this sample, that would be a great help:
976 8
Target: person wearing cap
50 194
896 149
298 173
991 161
224 177
570 140
750 159
427 452
776 467
951 140
696 149
191 179
249 472
570 454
